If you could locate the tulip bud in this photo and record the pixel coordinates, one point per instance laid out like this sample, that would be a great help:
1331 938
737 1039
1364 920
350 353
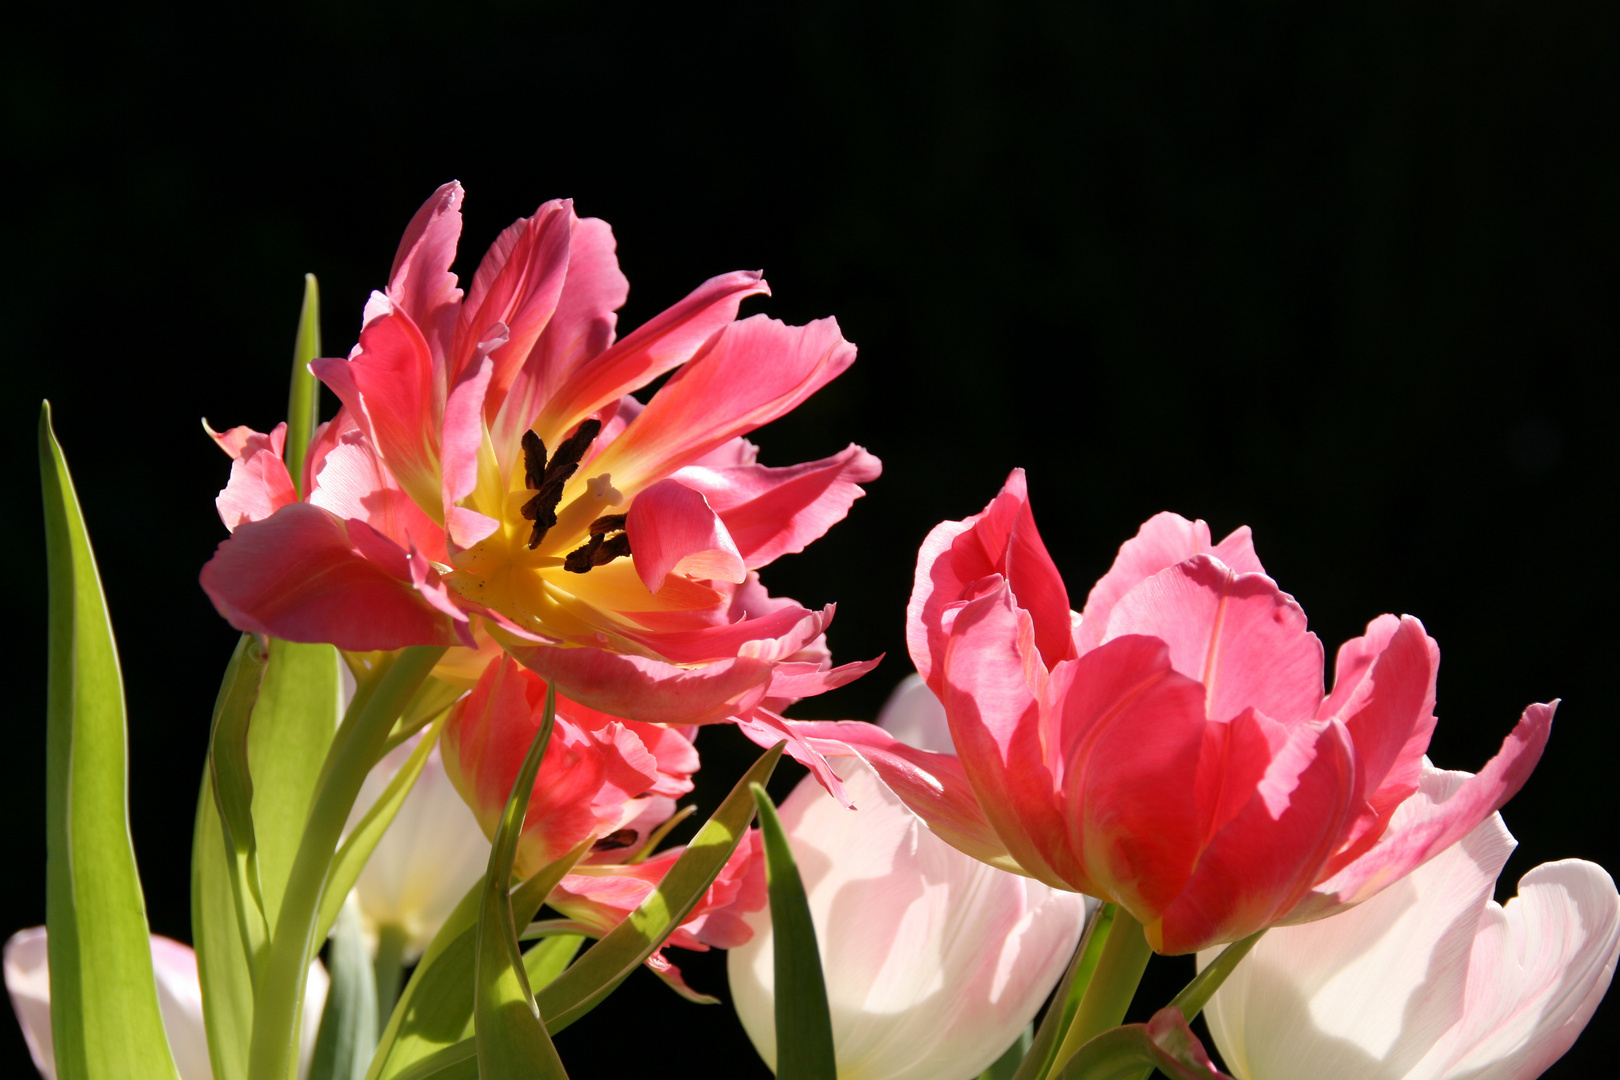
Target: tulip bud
934 961
28 979
1430 978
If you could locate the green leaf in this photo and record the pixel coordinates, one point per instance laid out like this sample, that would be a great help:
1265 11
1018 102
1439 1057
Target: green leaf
1005 1067
804 1039
1165 1043
104 1009
231 781
348 1031
549 959
512 1040
1066 1002
291 729
1111 985
1196 994
351 857
222 965
304 395
610 961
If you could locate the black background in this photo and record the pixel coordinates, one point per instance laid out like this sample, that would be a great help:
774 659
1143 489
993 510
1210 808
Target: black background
1343 273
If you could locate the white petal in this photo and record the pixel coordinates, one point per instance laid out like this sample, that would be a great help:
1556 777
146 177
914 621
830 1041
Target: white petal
915 716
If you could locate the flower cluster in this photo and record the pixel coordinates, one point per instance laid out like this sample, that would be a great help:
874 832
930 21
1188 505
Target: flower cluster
543 588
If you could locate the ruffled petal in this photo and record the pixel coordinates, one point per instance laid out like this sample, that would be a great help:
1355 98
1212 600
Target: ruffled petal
673 530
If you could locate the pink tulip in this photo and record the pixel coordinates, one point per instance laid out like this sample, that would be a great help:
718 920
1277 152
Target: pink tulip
1170 748
601 776
174 966
489 466
1431 979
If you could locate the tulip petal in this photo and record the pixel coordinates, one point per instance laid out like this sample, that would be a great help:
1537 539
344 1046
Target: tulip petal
772 512
1164 540
673 530
748 374
1431 821
667 341
352 482
421 283
305 575
1238 634
649 690
259 484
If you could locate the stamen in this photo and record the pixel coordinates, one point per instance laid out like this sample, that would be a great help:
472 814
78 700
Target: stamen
548 484
613 841
599 550
607 523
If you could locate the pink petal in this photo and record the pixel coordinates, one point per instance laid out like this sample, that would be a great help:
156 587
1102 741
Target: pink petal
1001 540
305 575
1238 634
667 341
389 388
673 530
259 483
352 482
1423 825
1163 541
649 690
748 374
463 439
1261 861
773 512
421 284
581 327
239 442
516 287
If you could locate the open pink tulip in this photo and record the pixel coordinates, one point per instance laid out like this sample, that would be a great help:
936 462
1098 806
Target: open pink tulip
1170 748
490 466
934 962
602 776
1431 979
28 980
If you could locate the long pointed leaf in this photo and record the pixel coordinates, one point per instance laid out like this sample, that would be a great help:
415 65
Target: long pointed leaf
607 963
804 1038
222 964
512 1040
104 1010
231 781
348 1031
304 393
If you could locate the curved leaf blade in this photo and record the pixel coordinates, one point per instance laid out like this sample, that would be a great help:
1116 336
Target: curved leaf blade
104 1009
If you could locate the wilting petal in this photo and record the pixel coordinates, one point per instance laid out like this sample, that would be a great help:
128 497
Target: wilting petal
933 961
673 530
304 575
1164 540
750 373
772 512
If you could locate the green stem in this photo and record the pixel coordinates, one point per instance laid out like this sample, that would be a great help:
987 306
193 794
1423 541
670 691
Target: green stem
1124 958
389 968
355 748
1196 994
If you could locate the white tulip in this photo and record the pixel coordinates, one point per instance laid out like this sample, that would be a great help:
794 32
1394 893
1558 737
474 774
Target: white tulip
28 979
432 853
934 961
1431 979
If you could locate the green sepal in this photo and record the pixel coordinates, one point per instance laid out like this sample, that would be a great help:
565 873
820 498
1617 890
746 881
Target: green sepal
804 1039
304 393
511 1038
348 1030
104 1010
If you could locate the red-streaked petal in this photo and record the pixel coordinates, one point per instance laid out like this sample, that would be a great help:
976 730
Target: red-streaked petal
305 575
748 374
1238 634
1424 825
1164 540
772 512
673 530
668 340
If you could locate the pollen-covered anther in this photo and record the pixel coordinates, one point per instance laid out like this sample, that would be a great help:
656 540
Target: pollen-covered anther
607 523
546 479
613 841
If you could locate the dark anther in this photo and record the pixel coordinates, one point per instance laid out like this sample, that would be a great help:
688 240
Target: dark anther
607 523
548 478
613 841
597 551
534 461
